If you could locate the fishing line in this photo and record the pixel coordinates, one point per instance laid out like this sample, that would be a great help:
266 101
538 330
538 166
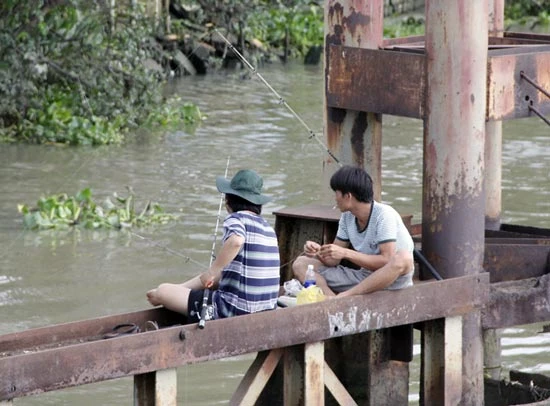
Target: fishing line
279 97
204 308
167 249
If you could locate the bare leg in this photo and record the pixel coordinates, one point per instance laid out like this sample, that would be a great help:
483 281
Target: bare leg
400 264
299 268
173 297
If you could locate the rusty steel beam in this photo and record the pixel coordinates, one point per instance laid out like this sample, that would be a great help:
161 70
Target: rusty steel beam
39 371
528 36
82 331
517 302
509 95
392 83
510 262
414 39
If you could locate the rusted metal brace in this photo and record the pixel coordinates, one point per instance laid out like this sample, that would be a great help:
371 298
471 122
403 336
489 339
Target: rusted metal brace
423 261
540 89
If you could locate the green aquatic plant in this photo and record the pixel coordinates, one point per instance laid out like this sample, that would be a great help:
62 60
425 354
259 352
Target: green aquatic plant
62 211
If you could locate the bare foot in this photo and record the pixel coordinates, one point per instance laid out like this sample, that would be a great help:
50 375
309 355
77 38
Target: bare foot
152 297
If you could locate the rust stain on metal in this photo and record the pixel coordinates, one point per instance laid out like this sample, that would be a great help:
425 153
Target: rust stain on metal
358 129
354 22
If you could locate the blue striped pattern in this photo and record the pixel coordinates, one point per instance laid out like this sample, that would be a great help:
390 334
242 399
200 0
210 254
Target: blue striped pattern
250 283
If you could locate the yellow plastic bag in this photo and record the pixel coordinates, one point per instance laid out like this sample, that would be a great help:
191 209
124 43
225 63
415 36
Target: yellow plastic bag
310 294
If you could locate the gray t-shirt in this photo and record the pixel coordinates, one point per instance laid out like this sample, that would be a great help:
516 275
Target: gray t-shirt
385 225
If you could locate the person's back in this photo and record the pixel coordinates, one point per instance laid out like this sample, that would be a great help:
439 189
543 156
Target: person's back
250 283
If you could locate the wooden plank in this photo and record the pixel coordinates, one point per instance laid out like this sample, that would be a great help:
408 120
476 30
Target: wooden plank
73 365
314 374
394 82
256 377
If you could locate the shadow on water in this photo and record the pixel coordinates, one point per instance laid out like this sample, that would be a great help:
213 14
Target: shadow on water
56 277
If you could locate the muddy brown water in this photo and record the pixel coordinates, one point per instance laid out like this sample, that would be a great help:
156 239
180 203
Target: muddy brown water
55 277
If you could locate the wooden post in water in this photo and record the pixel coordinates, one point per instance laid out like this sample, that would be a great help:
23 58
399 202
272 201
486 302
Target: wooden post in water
454 145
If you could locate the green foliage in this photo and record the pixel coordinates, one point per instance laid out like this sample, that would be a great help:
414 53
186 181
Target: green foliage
63 211
406 27
175 112
528 13
301 22
69 76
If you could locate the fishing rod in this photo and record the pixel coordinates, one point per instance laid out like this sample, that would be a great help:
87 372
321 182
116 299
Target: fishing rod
279 97
204 308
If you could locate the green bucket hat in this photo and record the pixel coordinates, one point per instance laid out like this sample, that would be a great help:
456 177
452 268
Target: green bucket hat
246 184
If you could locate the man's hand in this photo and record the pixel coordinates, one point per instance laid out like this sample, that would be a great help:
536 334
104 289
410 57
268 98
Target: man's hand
311 248
332 252
207 279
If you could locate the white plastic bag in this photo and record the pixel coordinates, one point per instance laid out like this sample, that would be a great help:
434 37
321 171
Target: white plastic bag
292 287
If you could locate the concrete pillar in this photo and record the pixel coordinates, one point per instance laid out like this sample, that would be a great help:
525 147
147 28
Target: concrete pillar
454 147
354 137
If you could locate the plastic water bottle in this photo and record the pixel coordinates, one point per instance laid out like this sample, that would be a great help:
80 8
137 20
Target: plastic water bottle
310 277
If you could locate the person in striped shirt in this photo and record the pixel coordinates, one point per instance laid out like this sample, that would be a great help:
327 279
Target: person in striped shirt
371 235
244 278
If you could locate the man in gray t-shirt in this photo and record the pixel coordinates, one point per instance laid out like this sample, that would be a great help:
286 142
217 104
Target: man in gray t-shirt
371 235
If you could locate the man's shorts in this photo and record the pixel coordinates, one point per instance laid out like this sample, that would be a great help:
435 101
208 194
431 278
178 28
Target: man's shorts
340 278
194 305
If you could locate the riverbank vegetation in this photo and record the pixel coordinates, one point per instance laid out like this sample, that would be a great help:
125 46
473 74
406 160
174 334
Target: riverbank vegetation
81 73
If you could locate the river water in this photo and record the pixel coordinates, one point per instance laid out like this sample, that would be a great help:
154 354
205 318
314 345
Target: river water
52 277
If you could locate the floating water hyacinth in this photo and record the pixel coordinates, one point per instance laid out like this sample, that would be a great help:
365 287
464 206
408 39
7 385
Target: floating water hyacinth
63 211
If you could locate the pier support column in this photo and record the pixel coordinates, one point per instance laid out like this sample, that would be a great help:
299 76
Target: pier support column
453 209
493 193
442 362
354 137
157 388
493 138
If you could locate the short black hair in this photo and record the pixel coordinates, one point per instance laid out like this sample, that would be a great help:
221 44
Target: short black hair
354 180
237 203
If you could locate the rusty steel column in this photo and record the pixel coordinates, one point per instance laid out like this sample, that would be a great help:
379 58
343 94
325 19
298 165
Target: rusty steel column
493 138
454 141
355 137
492 359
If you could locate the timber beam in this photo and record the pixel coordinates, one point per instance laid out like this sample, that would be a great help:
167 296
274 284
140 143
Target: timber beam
34 370
395 83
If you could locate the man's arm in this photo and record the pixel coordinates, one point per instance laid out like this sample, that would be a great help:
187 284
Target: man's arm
333 253
400 264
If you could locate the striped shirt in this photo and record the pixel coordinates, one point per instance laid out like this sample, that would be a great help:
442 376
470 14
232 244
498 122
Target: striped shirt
250 283
385 225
